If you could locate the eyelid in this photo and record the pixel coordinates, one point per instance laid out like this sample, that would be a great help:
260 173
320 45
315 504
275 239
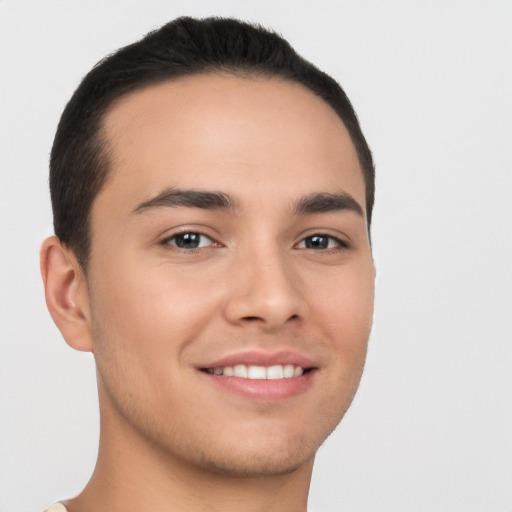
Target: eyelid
164 241
340 244
343 239
170 239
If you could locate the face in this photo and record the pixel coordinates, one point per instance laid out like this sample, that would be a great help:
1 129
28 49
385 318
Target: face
230 279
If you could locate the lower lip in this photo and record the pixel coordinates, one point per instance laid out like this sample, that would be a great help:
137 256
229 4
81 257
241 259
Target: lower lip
267 390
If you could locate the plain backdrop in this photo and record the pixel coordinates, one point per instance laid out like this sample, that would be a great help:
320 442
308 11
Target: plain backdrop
431 427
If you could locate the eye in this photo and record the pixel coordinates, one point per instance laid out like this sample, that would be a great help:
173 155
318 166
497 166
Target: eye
321 243
189 240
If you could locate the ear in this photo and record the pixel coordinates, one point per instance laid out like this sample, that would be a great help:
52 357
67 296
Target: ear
66 293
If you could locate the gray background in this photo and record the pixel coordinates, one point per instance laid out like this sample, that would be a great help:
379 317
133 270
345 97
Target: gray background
431 427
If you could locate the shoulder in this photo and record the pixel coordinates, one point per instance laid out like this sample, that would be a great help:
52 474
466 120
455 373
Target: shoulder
58 507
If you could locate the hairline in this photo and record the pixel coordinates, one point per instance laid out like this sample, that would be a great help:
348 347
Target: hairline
104 143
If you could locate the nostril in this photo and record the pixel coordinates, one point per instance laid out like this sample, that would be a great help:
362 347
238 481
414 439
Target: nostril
260 319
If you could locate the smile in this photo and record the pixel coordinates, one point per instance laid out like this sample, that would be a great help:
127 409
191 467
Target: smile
275 372
259 377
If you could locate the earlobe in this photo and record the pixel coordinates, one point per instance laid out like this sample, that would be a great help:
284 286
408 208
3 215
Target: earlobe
66 294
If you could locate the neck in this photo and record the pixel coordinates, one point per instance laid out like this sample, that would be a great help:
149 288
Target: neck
134 474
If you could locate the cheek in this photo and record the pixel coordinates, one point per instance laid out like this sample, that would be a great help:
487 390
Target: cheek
142 324
345 311
151 313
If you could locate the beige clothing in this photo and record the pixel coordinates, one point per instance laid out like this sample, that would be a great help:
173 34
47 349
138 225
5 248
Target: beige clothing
58 507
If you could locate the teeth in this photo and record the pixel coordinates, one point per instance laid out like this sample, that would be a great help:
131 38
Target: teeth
288 371
240 370
227 371
275 372
259 372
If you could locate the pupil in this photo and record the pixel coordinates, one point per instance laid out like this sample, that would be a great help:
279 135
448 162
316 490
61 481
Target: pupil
188 240
317 242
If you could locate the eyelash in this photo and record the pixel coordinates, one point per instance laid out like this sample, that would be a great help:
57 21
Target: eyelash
167 241
340 245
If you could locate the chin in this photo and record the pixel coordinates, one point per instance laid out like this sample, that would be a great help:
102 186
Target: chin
257 465
269 454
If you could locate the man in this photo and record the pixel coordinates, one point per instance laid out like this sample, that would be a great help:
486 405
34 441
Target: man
212 196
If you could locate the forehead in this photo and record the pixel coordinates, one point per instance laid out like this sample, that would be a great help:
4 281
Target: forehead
231 133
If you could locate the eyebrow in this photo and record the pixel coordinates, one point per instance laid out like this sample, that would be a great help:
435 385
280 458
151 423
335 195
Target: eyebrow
324 202
319 202
189 198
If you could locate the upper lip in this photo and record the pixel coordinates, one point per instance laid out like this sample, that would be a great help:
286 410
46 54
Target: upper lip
261 358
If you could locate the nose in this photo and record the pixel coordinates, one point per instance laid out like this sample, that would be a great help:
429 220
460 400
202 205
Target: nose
265 292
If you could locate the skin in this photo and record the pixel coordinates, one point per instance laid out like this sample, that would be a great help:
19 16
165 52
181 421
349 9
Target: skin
154 313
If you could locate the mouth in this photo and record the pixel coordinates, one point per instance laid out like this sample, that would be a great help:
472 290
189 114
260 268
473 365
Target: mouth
262 377
254 372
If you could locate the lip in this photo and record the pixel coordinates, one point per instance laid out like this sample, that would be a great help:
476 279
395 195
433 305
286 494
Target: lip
262 390
260 358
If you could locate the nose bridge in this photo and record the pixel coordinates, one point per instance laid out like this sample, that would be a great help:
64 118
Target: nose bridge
264 288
